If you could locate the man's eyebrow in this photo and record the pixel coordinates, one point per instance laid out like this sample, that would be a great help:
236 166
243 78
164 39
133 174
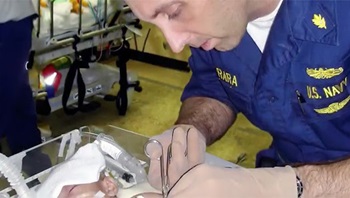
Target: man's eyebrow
163 7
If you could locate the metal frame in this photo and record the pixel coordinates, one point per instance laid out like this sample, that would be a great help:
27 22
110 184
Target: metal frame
52 46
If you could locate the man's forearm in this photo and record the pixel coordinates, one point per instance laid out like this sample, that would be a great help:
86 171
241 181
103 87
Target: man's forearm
211 117
326 180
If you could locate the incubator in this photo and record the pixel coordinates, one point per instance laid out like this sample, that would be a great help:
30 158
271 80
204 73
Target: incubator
124 159
126 170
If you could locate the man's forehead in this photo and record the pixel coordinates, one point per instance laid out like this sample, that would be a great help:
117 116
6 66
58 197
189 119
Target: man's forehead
149 3
151 7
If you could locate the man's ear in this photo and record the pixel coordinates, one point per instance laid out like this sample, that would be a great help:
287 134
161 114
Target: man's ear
110 186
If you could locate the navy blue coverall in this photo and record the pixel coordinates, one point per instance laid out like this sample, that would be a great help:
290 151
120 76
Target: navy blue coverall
297 89
18 121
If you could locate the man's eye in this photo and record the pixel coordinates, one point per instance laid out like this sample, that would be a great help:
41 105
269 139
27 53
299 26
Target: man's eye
174 15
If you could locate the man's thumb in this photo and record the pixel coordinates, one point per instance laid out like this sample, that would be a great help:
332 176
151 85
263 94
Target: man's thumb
148 195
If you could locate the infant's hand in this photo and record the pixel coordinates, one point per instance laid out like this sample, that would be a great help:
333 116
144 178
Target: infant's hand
108 186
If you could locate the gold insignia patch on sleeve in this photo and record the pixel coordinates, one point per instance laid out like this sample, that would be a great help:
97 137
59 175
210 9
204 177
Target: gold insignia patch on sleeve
321 73
319 21
334 107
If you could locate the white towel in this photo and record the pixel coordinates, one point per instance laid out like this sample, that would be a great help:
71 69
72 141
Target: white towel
83 167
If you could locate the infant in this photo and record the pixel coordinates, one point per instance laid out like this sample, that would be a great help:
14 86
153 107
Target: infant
82 175
104 187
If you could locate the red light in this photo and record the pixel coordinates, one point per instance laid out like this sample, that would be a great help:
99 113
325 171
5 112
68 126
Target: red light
52 77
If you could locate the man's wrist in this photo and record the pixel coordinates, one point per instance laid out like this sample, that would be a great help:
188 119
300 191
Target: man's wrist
309 174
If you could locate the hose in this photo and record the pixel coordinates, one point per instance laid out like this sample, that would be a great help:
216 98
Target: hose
14 177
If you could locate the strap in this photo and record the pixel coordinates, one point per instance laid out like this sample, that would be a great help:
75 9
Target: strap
74 71
68 88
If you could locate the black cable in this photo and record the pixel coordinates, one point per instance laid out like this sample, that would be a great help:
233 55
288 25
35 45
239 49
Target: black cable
145 41
185 173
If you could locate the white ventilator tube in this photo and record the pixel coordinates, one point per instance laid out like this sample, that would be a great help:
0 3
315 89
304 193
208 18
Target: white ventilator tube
110 147
14 177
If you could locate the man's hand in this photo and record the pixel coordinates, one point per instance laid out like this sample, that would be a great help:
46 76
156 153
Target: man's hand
210 181
187 148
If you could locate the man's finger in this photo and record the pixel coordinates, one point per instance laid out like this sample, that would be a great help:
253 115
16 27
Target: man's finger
179 145
196 147
156 151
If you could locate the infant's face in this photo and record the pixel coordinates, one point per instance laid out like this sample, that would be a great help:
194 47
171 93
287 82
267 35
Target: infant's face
106 185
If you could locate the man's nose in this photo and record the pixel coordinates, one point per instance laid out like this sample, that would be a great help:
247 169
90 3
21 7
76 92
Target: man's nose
176 40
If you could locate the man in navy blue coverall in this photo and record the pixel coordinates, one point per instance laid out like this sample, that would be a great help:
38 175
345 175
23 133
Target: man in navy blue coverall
18 119
285 65
18 116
